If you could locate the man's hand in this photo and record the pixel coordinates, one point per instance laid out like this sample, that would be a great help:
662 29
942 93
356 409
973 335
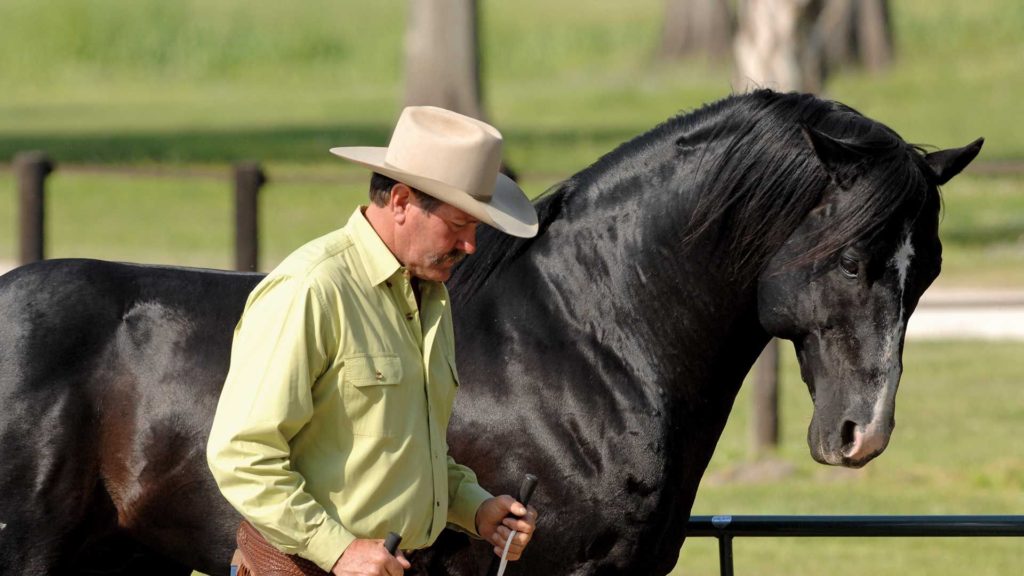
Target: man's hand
493 524
369 558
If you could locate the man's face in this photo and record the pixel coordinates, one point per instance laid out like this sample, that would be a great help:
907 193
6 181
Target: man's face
437 240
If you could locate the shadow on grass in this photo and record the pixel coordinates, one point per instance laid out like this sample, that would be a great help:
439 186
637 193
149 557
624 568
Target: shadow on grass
274 144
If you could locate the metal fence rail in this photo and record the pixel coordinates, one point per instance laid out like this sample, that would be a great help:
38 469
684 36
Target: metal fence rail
725 528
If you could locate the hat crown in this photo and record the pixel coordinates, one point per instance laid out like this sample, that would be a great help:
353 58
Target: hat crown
454 158
448 147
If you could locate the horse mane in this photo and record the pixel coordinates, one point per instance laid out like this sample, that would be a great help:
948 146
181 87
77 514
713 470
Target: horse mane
752 147
770 153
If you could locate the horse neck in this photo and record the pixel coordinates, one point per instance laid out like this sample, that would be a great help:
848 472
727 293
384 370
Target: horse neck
675 307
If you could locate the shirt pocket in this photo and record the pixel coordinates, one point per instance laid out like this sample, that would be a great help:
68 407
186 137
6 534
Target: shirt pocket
373 394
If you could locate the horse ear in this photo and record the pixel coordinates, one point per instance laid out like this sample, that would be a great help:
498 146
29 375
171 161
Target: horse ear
830 151
948 163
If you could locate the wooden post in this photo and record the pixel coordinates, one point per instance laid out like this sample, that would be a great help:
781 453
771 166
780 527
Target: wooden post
32 168
764 420
249 178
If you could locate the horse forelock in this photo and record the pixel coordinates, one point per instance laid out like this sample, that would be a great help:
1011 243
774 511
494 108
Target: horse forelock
758 178
768 178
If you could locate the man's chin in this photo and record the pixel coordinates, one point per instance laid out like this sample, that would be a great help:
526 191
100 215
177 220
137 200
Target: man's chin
436 273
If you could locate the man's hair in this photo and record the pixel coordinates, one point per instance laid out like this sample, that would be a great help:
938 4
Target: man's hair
380 193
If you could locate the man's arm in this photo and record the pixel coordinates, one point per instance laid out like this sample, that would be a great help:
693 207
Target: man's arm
277 354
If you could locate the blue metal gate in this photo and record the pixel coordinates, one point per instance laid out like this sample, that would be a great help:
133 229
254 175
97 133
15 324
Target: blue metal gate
725 528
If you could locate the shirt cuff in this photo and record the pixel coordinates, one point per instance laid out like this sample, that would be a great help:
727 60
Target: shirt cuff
462 509
327 544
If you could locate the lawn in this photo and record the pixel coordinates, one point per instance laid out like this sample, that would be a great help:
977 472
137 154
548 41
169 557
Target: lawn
219 82
955 450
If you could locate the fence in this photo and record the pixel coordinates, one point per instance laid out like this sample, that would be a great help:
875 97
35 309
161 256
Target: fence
725 528
32 168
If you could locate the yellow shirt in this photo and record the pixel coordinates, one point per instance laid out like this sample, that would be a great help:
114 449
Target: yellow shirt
331 425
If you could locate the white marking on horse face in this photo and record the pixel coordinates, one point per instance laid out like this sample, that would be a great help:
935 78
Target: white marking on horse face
901 262
2 525
874 436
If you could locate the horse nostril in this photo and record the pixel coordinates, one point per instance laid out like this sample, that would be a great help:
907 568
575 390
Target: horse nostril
848 435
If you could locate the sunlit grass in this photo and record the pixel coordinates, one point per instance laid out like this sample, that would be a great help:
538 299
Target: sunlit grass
954 451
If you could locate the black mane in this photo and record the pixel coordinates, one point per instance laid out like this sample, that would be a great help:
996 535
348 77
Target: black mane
758 178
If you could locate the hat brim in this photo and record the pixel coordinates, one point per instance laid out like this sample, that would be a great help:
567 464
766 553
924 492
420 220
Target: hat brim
509 210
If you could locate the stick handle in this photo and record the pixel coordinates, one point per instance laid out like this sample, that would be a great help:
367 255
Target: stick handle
391 543
526 489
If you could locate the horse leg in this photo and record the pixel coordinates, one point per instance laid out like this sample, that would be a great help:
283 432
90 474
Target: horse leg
166 499
52 502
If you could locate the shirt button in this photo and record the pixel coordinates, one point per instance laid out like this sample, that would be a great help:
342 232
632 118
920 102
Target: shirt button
379 375
388 283
409 316
438 503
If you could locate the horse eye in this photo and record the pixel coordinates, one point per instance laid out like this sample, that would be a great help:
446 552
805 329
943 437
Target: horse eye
849 266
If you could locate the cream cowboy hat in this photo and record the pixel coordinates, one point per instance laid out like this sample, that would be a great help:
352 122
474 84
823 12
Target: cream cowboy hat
455 159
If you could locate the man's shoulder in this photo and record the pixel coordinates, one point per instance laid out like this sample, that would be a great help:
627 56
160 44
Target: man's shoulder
325 256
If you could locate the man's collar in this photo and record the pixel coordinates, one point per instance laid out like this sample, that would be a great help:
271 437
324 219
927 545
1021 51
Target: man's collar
380 263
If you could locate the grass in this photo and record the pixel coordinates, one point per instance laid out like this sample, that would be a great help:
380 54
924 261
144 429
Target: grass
954 451
220 82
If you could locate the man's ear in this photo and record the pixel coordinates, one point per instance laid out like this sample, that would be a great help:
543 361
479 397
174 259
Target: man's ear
401 197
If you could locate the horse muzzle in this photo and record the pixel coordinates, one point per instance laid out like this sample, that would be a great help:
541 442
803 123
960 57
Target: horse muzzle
848 440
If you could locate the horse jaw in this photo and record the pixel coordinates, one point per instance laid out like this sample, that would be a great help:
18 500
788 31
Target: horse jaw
845 432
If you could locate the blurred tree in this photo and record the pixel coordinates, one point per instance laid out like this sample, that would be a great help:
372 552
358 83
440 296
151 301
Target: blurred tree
795 44
772 45
696 28
442 56
442 59
855 32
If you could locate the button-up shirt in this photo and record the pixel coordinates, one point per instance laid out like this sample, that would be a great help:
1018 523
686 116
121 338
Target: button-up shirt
331 425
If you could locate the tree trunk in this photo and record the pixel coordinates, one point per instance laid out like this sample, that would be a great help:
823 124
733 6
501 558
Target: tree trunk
442 62
772 45
696 28
764 413
874 34
856 32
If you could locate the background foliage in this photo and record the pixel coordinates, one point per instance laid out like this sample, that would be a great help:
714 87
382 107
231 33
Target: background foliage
197 85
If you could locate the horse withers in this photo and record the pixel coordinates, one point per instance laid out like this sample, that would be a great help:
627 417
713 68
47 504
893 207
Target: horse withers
607 365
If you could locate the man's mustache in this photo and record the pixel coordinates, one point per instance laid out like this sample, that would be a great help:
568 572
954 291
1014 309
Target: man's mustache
453 257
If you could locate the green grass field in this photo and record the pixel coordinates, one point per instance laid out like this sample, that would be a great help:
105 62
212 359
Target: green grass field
217 82
145 104
955 450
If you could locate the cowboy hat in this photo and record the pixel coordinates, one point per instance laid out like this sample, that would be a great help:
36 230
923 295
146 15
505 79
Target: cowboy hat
455 159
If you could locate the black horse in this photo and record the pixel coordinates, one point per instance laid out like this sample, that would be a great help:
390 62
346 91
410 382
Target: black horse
603 355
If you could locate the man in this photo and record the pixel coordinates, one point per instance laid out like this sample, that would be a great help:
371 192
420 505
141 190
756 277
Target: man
330 431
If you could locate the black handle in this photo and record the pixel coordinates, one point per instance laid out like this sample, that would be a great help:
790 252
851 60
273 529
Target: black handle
391 543
526 489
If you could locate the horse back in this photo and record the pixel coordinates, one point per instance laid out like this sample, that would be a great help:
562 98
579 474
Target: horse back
110 375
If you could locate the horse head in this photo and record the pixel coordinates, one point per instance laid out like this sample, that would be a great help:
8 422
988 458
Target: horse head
844 284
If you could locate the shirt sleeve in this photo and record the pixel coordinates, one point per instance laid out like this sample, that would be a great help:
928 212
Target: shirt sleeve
465 495
279 349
